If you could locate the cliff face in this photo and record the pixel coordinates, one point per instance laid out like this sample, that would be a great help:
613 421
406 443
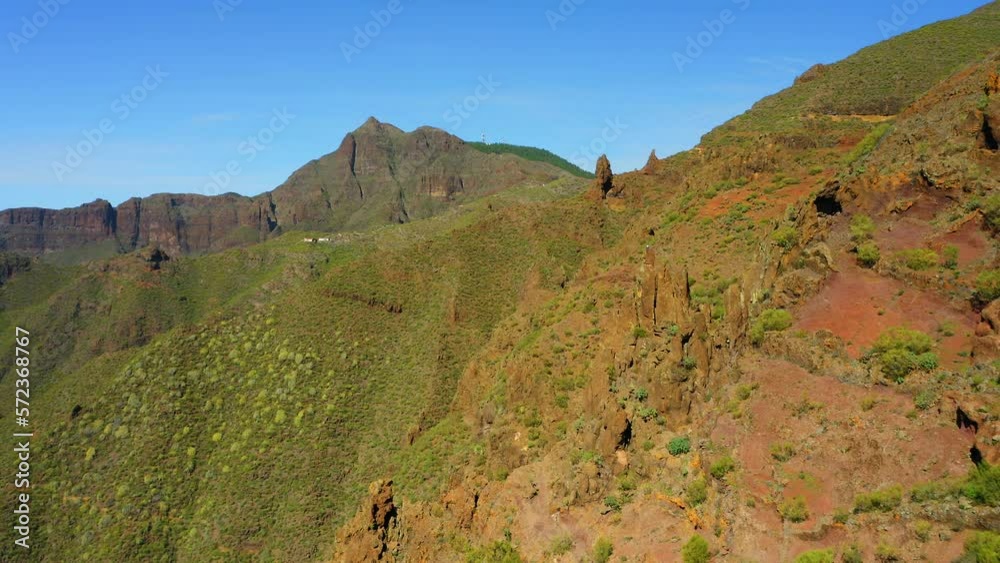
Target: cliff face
379 174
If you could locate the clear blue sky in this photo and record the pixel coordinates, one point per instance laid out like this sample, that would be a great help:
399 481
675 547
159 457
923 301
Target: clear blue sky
556 82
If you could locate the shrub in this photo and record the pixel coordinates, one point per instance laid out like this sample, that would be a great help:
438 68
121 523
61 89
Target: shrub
925 399
886 553
679 445
771 320
918 259
816 556
982 547
695 550
868 254
689 362
613 502
902 337
950 257
982 486
852 555
922 529
862 228
782 451
794 510
991 210
561 545
988 286
786 237
723 467
882 500
898 363
603 549
697 492
498 552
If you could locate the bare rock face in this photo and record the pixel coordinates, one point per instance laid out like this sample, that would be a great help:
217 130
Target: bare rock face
605 177
34 230
374 534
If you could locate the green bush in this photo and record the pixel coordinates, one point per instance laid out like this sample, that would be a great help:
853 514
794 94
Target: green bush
882 500
991 210
862 228
816 556
950 257
614 503
771 320
868 254
898 363
852 555
982 486
918 259
697 492
988 286
786 237
982 547
782 451
902 337
679 445
723 467
603 549
695 550
561 545
794 510
498 552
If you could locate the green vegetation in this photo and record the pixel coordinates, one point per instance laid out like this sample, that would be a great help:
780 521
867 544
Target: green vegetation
771 320
867 145
868 254
982 547
679 445
786 237
885 552
696 550
991 211
862 228
533 154
603 549
561 545
697 492
497 552
882 500
794 509
982 486
723 467
901 351
918 259
988 286
950 257
782 451
816 556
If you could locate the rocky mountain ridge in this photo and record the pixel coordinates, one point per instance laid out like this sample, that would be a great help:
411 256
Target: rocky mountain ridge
378 175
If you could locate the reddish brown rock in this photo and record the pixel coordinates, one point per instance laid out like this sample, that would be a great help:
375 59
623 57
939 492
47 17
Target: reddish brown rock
605 177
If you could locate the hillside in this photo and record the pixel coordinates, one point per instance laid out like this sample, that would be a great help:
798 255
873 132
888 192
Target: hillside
781 345
534 154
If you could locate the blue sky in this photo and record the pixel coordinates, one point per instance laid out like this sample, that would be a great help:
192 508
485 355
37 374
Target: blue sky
113 99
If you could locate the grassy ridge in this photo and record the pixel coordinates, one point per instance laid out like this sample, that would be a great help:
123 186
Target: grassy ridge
533 154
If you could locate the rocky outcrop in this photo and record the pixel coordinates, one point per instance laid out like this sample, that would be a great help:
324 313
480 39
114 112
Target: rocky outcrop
650 167
374 534
11 264
605 178
379 174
